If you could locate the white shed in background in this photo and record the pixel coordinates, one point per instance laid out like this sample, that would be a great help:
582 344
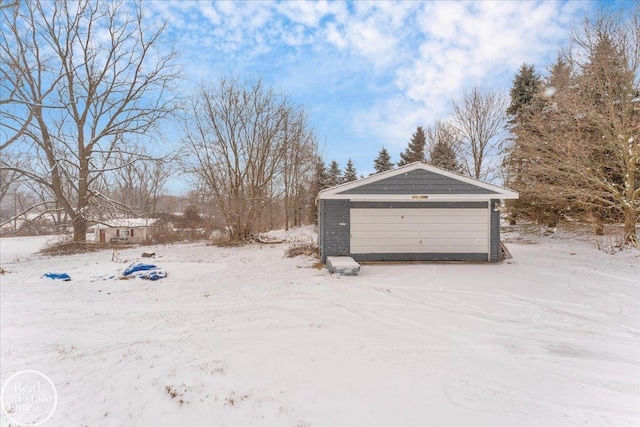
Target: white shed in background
125 230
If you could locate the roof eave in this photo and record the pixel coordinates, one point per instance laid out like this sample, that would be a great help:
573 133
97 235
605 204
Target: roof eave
501 192
420 197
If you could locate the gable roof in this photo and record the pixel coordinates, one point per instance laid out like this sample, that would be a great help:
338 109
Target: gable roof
417 181
130 222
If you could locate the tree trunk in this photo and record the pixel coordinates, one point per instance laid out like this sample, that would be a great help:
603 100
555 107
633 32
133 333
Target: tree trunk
286 210
630 219
79 229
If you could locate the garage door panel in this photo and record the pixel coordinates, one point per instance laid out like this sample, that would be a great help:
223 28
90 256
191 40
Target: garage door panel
417 235
418 216
419 230
422 243
433 216
417 221
408 248
370 212
394 228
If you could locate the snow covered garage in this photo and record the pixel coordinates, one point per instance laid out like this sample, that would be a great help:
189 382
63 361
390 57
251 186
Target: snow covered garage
413 213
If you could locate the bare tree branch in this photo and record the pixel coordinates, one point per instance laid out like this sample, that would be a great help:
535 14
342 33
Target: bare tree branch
244 139
480 116
75 95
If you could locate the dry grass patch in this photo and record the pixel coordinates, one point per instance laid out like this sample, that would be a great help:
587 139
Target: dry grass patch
302 247
70 248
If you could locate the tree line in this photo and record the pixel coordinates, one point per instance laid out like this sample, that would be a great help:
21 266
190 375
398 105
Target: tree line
568 141
469 143
86 86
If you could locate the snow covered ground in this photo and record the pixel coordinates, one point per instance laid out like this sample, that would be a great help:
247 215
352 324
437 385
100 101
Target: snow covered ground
245 336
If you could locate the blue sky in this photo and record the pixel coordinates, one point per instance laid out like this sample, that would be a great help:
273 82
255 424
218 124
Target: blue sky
369 73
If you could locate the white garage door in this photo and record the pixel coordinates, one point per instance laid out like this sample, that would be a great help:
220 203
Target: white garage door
419 230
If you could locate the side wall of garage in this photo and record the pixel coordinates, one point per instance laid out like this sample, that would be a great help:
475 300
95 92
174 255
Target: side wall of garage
495 231
333 228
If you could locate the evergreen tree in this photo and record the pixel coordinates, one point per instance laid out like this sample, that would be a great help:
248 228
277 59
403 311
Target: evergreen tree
415 150
579 155
320 176
559 76
318 184
526 101
350 173
443 138
606 77
383 161
610 92
443 156
526 85
334 174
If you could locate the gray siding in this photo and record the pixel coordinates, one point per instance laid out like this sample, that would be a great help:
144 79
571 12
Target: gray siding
333 228
495 232
418 182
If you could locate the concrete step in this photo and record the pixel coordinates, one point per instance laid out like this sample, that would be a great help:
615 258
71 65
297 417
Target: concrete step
343 265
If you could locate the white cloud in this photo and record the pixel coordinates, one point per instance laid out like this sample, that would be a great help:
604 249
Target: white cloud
310 14
335 36
392 65
458 45
474 43
210 13
374 31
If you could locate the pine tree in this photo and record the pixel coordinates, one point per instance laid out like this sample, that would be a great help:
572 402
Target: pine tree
559 76
442 155
526 101
580 154
442 139
610 88
334 174
350 173
319 176
415 150
383 161
526 85
318 184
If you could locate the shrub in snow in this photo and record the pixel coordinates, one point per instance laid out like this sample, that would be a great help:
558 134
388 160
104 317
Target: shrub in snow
303 245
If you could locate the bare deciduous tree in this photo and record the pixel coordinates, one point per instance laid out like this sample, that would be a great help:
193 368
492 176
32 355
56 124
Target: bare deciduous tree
139 180
480 116
298 168
239 135
8 178
78 79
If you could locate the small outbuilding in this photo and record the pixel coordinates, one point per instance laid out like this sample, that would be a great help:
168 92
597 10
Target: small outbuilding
125 230
417 212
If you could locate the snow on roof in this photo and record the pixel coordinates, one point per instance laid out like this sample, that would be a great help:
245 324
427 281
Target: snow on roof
131 222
